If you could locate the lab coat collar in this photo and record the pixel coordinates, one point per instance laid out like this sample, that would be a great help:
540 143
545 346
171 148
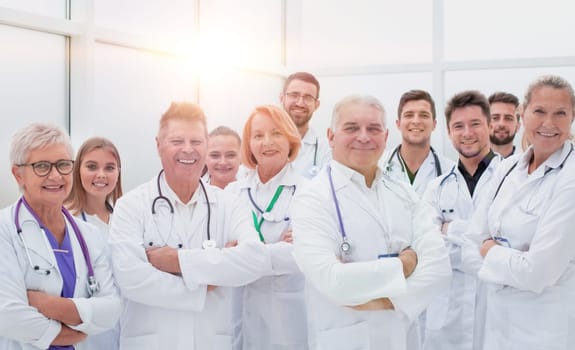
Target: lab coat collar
555 160
310 137
287 177
198 193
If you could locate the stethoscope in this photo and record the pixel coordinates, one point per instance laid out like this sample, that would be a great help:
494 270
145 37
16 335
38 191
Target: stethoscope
267 215
314 170
497 236
396 153
92 284
442 183
208 243
345 245
108 207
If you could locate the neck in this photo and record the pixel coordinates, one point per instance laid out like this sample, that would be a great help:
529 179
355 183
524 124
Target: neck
471 164
266 173
183 189
97 206
537 158
51 216
369 177
302 130
504 150
414 155
219 183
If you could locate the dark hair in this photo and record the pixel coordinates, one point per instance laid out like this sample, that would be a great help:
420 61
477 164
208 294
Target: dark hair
415 95
465 99
503 97
303 76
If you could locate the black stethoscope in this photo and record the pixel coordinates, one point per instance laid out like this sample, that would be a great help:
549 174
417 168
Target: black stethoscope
208 243
395 152
92 283
314 168
440 191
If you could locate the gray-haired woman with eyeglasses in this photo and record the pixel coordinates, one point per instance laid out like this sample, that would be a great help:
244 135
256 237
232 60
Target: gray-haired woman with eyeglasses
56 286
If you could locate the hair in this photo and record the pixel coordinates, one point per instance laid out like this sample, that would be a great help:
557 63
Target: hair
503 97
34 136
184 111
552 81
225 131
303 76
415 95
284 124
76 201
363 100
467 99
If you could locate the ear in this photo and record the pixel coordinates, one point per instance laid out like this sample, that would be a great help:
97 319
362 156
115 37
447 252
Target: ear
282 97
330 137
16 172
434 124
397 122
317 103
158 145
386 134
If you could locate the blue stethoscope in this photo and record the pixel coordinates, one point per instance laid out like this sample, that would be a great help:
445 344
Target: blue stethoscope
345 245
92 284
209 242
396 153
314 170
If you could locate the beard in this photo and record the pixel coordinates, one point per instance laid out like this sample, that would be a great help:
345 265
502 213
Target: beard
501 141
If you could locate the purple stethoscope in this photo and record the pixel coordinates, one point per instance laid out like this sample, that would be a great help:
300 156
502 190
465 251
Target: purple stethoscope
93 285
345 246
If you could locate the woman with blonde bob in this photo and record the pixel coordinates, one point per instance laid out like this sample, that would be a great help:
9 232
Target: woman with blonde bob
271 310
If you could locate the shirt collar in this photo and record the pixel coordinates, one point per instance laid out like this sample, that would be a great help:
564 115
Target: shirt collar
349 175
310 137
555 160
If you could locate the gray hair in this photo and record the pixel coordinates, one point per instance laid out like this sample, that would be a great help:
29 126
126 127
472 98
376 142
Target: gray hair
34 136
362 100
553 81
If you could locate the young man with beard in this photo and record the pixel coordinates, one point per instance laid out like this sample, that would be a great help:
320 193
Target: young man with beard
300 99
414 161
504 122
453 321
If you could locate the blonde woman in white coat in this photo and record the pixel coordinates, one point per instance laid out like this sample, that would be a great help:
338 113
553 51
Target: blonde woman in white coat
56 285
525 231
272 311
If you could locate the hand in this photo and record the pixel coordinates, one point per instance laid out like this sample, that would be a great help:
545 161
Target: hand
39 300
164 259
211 287
375 304
54 307
68 336
231 244
444 227
408 258
287 236
486 246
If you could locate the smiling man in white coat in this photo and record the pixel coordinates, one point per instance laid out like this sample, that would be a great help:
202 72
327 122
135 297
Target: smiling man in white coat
371 255
170 242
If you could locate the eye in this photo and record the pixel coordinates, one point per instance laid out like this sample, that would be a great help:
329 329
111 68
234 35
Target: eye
257 136
42 166
351 129
197 142
91 166
214 155
110 168
177 142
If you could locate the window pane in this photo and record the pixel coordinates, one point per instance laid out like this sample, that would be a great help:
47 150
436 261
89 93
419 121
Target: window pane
51 8
343 33
508 29
131 91
32 89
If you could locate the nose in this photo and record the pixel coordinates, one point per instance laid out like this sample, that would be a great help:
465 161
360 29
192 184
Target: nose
267 139
467 130
362 135
548 121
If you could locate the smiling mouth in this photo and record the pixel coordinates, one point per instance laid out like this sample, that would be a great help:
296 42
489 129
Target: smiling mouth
53 187
99 184
547 134
187 161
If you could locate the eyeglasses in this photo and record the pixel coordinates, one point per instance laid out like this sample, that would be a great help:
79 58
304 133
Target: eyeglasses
294 97
43 167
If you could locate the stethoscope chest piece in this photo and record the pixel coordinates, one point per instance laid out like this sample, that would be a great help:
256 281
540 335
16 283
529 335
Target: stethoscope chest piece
314 170
209 243
345 247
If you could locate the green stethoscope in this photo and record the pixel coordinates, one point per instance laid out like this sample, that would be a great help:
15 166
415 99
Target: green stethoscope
266 214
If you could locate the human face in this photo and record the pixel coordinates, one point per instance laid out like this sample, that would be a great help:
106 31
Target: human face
223 159
182 146
359 138
469 131
99 173
548 119
300 111
49 190
504 123
269 146
416 123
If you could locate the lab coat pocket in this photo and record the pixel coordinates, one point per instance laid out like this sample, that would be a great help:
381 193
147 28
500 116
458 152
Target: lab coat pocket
148 341
288 318
436 313
354 337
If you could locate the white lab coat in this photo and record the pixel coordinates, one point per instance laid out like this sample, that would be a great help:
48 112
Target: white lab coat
110 339
22 326
427 171
531 285
450 318
272 313
313 145
399 220
166 311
